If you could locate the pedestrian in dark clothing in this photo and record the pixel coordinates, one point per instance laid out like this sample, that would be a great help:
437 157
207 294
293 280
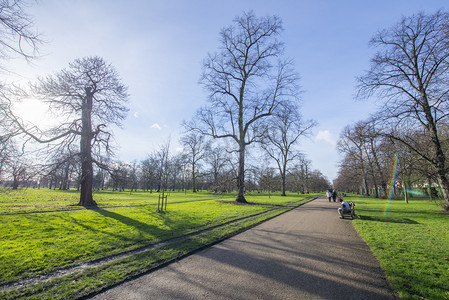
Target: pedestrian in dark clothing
334 195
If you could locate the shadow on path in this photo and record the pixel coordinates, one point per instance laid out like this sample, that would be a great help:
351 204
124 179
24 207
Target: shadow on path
307 253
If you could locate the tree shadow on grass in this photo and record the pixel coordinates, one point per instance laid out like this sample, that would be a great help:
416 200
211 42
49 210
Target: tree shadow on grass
140 226
388 219
172 226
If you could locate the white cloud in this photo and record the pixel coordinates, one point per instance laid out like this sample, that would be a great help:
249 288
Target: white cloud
136 114
156 126
325 135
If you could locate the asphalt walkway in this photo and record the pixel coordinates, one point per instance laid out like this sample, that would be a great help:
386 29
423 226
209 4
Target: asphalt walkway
307 253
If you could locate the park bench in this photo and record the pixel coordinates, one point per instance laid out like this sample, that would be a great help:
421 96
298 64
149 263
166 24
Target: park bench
349 212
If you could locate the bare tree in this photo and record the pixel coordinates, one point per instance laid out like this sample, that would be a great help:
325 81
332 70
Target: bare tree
164 166
352 143
195 148
300 175
218 160
375 145
18 38
247 82
133 169
6 150
17 167
268 181
149 168
119 176
410 74
318 182
90 97
349 175
282 133
177 169
62 166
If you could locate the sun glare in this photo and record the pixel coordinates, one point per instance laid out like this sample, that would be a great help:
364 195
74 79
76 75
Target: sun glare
35 112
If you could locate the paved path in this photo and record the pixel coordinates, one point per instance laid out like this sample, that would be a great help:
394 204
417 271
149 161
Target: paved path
307 253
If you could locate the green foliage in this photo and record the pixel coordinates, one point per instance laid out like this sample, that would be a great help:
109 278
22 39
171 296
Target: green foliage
38 242
411 242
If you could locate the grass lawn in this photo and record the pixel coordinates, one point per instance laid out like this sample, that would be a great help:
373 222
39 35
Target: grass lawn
53 234
411 242
34 200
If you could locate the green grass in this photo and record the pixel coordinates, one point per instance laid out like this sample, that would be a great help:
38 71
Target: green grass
40 242
34 200
411 242
92 280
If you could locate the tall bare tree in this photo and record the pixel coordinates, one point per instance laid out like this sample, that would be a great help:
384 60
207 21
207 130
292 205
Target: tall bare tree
90 97
247 81
410 75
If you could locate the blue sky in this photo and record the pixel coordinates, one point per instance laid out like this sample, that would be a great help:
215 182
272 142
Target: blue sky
158 46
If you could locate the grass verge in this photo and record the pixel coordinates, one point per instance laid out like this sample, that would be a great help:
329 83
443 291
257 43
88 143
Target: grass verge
411 241
93 280
40 238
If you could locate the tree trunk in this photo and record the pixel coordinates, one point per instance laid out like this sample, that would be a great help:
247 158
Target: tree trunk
430 188
241 141
15 184
440 158
306 180
444 185
193 178
283 175
383 183
442 176
283 186
373 175
86 198
404 187
365 184
241 175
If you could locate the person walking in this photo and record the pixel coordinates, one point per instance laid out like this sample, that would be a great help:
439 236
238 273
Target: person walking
328 195
334 195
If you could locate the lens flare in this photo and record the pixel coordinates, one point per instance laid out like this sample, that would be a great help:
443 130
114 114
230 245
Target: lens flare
393 180
416 193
